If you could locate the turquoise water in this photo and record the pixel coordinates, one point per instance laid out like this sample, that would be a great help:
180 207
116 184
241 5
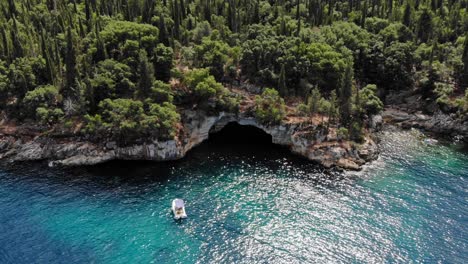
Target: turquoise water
245 205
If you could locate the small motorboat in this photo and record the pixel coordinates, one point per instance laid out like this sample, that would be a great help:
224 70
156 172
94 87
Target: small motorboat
178 208
430 141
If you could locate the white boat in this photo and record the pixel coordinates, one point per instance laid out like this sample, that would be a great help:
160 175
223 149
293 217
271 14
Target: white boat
178 208
430 141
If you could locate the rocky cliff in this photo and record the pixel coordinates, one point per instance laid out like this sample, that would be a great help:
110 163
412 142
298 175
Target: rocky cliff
308 141
445 125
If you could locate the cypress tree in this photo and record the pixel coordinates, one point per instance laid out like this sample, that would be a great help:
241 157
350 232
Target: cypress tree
163 36
345 96
148 9
18 50
46 56
182 9
88 13
364 14
101 50
282 89
70 89
146 75
298 18
12 8
6 50
232 15
407 15
465 64
176 17
425 26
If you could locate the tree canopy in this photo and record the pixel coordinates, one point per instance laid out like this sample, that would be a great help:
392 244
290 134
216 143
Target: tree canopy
80 58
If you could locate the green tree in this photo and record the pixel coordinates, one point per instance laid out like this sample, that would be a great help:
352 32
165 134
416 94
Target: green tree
146 75
425 26
465 64
162 61
345 96
70 91
407 15
283 90
269 107
371 103
314 101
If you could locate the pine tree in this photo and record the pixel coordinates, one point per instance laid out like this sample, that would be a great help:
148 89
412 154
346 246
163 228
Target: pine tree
282 89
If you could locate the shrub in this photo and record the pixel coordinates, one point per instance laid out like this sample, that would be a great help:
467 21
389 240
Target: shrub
43 96
342 133
302 109
356 132
371 103
127 118
208 92
161 92
49 116
269 107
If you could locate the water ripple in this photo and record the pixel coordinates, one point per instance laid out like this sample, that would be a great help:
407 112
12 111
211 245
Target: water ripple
245 206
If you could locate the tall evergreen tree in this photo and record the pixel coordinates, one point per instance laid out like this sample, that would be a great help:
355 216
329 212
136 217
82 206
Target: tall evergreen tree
18 50
345 96
6 49
465 64
298 18
163 35
146 73
407 15
46 56
70 90
282 89
425 26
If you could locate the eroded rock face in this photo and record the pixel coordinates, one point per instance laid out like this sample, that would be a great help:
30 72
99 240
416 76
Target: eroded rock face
313 145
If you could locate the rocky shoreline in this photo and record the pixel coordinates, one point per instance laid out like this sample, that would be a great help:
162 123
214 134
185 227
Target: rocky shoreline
308 141
439 124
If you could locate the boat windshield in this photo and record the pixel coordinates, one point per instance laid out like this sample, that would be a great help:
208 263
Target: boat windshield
179 203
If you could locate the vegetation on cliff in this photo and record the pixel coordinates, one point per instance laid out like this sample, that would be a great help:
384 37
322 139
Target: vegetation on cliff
126 68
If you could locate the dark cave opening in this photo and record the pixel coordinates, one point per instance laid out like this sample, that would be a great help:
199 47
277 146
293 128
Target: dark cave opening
236 134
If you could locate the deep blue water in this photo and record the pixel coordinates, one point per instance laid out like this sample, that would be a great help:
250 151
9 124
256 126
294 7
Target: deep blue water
246 205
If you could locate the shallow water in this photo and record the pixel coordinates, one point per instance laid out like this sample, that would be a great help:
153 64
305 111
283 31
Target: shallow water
245 205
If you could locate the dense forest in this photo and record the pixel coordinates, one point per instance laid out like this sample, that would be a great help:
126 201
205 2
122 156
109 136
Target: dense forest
126 68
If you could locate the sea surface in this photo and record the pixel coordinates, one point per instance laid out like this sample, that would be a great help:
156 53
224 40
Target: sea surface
248 202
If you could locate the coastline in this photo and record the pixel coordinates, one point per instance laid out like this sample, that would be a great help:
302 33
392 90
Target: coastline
311 142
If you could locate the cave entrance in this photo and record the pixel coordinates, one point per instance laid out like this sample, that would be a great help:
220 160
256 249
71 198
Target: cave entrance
235 134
